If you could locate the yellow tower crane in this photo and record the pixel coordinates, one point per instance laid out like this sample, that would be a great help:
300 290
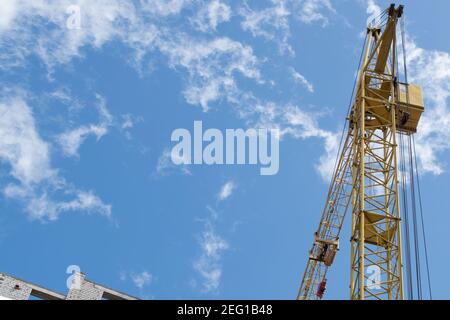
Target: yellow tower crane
366 177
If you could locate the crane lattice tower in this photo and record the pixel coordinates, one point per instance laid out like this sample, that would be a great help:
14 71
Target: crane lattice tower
366 177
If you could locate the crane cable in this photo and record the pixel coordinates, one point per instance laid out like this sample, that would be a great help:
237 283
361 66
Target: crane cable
414 220
414 180
405 211
403 168
422 221
407 237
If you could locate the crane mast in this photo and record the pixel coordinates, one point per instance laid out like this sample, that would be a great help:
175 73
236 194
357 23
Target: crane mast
366 176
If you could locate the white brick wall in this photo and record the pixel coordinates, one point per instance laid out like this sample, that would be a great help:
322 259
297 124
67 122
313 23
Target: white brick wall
83 289
87 291
13 289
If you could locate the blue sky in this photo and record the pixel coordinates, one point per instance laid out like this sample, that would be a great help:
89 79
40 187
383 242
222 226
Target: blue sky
86 116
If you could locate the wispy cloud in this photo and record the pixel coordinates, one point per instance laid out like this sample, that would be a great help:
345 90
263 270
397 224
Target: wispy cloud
299 78
214 65
226 191
128 122
211 14
42 207
7 13
72 140
142 279
165 7
292 121
208 264
21 144
211 66
271 23
431 69
35 180
165 165
314 11
27 30
373 10
304 125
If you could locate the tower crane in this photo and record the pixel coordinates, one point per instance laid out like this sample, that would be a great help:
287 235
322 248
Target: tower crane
366 176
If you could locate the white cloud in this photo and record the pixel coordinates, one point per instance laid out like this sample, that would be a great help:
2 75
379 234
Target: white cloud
271 23
431 70
373 10
85 201
211 15
64 96
327 161
311 11
208 264
226 191
165 165
299 78
7 13
40 28
20 144
72 140
40 206
142 280
304 126
211 66
28 156
164 7
128 122
292 121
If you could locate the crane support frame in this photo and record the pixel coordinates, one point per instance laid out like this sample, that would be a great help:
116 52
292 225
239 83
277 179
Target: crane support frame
366 177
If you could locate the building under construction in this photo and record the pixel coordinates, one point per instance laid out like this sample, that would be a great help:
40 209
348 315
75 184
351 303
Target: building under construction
12 288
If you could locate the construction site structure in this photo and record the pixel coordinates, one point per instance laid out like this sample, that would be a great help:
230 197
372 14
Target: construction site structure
12 288
366 177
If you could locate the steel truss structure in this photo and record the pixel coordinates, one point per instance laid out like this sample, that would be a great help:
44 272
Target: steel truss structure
366 177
